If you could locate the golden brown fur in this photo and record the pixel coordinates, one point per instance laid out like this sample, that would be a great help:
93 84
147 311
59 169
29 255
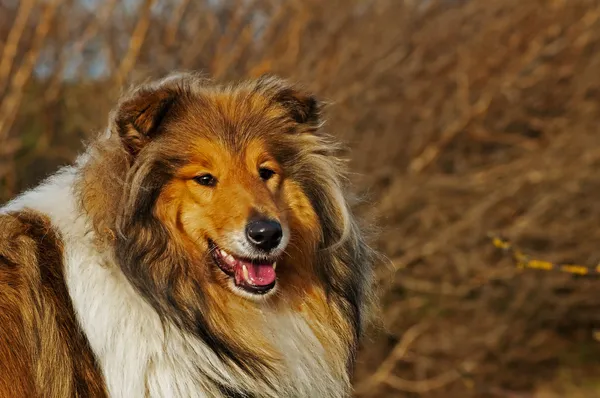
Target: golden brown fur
327 262
153 223
42 350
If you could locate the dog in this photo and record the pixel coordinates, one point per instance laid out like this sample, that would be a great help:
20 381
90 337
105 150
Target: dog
201 246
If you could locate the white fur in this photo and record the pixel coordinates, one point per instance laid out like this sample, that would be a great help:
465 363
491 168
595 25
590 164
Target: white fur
135 353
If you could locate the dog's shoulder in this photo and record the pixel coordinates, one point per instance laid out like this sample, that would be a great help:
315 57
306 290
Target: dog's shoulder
30 251
26 240
41 345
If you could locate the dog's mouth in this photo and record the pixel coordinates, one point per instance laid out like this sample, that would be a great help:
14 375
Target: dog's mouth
255 276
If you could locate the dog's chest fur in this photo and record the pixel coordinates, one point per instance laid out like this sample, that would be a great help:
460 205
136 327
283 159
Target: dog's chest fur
141 356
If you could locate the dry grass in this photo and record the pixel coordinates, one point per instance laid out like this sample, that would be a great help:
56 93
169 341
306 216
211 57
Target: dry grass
462 116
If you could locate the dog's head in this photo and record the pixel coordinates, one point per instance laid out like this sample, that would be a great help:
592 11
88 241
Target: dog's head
223 198
213 169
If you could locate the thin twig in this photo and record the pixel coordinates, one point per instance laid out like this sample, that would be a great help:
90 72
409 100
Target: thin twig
10 105
12 42
386 368
135 42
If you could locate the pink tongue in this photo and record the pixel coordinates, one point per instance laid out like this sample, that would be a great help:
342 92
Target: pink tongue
259 274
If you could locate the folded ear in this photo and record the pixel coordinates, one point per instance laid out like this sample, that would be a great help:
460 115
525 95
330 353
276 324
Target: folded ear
140 115
304 108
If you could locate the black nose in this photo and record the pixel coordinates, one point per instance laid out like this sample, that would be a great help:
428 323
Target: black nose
264 234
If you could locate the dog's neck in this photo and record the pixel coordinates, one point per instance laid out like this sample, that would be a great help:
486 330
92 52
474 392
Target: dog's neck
139 354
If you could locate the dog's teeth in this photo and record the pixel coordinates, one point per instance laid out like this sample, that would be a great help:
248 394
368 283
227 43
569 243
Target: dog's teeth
245 272
229 259
223 253
275 265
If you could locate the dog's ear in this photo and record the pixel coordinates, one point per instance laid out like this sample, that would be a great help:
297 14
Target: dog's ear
304 108
140 115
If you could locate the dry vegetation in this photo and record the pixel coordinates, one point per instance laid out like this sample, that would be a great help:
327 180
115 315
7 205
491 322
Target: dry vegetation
462 116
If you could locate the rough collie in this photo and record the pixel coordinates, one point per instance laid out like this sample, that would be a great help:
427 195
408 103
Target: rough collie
202 246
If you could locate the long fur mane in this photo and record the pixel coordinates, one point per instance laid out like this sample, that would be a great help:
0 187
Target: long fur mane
251 348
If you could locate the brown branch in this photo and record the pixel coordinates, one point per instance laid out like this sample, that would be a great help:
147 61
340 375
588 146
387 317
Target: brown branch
135 43
386 368
12 42
90 31
468 115
423 386
174 22
209 23
220 63
10 105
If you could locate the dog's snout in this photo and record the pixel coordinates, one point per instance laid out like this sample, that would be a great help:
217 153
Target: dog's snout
264 234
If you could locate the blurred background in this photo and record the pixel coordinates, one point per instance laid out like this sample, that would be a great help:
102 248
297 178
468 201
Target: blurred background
462 117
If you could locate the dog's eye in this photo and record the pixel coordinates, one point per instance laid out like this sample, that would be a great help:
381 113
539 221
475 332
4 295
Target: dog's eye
265 173
206 179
